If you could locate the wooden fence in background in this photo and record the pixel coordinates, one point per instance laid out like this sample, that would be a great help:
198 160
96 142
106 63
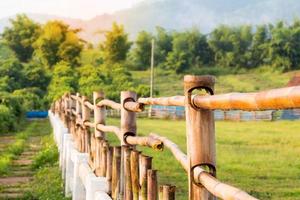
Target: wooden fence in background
128 171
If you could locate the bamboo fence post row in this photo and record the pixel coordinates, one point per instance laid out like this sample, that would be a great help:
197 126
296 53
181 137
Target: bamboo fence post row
129 172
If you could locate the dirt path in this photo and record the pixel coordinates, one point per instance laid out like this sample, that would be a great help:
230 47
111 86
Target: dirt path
14 185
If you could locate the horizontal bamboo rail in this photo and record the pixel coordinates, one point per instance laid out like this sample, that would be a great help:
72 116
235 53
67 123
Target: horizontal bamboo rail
214 186
283 98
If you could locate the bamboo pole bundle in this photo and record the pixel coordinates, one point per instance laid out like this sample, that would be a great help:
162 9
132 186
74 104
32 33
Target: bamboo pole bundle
144 165
178 154
151 184
116 167
109 103
104 149
134 170
167 192
164 101
109 168
200 134
127 174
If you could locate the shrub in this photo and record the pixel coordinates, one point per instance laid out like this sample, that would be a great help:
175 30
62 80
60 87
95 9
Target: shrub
7 119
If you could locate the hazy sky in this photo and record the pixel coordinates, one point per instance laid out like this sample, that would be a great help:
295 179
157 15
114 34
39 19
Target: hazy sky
84 9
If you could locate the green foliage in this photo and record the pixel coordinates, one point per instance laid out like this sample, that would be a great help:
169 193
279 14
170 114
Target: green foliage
5 51
21 35
47 184
35 76
116 45
30 98
64 79
141 54
48 156
58 42
11 76
6 119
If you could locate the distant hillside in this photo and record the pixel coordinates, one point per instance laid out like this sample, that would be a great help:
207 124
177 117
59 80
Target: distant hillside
179 15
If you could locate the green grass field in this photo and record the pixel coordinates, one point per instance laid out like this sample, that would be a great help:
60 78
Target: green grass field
169 84
261 158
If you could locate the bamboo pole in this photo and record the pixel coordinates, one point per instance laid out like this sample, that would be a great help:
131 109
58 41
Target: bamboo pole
109 103
145 164
86 116
98 157
200 134
109 168
128 128
134 106
128 118
147 141
164 101
116 166
178 154
151 184
127 173
134 165
103 164
99 113
167 192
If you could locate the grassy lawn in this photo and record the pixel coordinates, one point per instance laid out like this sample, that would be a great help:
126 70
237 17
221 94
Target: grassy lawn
256 80
261 158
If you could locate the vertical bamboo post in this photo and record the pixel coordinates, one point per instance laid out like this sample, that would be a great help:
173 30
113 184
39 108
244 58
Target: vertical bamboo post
104 150
128 127
128 118
77 129
86 115
151 184
200 130
99 113
109 168
167 192
127 173
134 165
99 118
116 166
145 164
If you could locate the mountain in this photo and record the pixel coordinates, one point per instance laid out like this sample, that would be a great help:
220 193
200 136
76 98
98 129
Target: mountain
180 15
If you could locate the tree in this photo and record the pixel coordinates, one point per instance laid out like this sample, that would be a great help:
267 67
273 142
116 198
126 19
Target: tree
231 45
116 45
260 46
163 45
35 75
21 35
64 79
11 76
190 49
141 54
57 43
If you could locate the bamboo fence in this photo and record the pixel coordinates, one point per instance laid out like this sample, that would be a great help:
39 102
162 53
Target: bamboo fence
129 172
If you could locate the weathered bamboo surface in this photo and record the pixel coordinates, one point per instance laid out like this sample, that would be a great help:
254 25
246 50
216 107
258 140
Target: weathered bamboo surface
109 103
163 101
283 98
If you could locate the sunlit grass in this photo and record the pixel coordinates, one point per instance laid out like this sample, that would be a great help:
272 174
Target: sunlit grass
262 158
